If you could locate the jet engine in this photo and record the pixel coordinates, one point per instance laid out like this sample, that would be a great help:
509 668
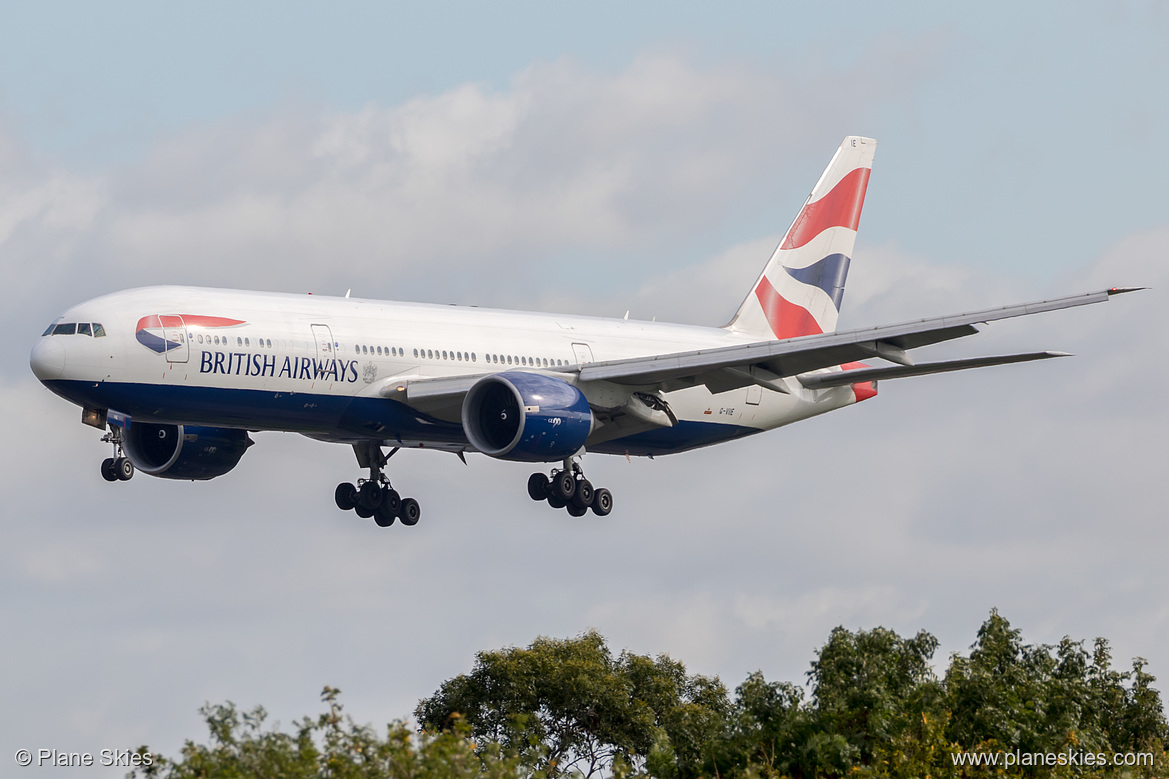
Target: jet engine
526 417
184 451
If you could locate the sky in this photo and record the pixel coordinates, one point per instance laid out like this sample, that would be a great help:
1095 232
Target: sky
588 159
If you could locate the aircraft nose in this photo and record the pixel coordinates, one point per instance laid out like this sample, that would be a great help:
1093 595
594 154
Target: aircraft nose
48 359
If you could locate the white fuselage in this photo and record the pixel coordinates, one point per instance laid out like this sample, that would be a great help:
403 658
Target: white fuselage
321 365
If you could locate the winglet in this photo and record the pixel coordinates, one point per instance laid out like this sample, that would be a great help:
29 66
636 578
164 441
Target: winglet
1121 290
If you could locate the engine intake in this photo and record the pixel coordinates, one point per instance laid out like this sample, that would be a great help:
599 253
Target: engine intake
527 417
184 451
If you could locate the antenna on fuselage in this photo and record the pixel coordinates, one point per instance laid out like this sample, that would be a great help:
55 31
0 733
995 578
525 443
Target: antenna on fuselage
347 292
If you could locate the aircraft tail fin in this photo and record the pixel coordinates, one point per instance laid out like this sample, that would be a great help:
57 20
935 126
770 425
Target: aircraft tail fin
802 285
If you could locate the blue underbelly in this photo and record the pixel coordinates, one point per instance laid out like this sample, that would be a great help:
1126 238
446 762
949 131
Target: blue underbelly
339 417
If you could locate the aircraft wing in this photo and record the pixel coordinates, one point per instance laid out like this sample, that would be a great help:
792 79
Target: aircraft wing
766 362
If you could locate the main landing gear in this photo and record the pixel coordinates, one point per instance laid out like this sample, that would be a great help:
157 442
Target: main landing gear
118 467
569 489
375 497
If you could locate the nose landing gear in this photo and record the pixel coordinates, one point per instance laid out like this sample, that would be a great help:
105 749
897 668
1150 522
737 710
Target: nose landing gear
375 497
569 489
118 467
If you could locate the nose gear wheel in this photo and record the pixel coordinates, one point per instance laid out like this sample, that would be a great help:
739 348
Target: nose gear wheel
118 467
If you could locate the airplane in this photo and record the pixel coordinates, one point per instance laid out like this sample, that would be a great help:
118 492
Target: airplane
177 377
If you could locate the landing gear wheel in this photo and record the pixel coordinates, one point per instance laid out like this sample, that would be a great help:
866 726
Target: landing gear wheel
410 512
346 496
602 502
362 511
124 469
107 469
576 511
584 494
556 502
391 501
383 516
369 495
538 485
564 485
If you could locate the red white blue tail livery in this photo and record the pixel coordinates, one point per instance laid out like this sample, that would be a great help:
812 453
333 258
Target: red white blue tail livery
802 285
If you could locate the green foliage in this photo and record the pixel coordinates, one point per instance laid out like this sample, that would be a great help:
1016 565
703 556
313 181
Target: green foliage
1045 699
871 686
571 706
330 747
877 710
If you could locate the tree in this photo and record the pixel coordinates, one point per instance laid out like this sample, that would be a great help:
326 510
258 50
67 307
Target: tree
869 686
331 746
1041 698
570 707
573 706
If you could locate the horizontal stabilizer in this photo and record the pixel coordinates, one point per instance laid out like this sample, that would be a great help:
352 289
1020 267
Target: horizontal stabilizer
841 378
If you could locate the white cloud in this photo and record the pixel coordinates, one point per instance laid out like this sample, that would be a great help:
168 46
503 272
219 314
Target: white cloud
1031 488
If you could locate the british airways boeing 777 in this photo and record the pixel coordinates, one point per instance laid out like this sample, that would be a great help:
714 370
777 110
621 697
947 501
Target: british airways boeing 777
180 375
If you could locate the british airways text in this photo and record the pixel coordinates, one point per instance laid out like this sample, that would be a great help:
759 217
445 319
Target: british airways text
304 368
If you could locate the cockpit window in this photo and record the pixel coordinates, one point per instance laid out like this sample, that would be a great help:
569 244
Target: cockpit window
98 330
83 328
48 330
65 328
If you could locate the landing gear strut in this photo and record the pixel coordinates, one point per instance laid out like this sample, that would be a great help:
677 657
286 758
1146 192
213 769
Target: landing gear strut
375 497
118 467
568 488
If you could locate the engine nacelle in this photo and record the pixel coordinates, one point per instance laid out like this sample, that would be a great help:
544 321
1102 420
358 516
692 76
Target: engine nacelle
526 417
184 451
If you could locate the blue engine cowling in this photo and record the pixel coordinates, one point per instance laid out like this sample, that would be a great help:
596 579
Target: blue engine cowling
526 417
184 451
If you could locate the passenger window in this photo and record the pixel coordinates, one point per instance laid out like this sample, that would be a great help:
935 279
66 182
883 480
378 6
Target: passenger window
472 357
247 342
444 354
509 359
67 328
83 329
430 354
98 331
415 352
269 343
239 341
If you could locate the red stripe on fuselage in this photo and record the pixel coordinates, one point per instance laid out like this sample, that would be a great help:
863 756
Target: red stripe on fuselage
190 320
839 208
787 320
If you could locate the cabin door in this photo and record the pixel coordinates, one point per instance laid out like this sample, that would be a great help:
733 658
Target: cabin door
583 353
